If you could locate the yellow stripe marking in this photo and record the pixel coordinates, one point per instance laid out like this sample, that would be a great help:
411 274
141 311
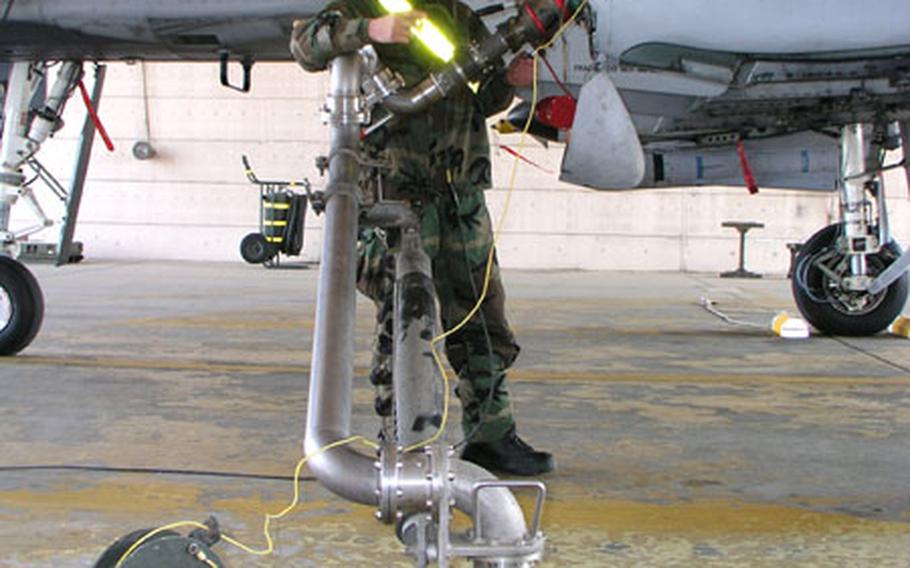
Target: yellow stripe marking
530 375
706 519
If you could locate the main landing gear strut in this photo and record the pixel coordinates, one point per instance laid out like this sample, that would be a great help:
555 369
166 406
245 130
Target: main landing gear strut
23 130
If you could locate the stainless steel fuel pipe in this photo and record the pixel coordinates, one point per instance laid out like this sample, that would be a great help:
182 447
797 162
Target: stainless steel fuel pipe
417 384
343 470
402 484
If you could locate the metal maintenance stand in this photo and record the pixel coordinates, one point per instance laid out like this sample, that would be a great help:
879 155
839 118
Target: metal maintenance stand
743 227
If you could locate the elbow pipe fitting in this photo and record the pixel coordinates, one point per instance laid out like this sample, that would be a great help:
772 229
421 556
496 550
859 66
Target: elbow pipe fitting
414 483
343 471
503 518
535 23
418 98
390 214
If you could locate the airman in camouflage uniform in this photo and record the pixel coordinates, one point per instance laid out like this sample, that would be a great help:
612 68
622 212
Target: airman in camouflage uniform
440 163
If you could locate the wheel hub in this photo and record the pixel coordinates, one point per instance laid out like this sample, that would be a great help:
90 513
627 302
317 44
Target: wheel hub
851 302
6 309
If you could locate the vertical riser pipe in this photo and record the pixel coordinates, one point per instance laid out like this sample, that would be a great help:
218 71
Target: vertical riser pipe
343 470
418 396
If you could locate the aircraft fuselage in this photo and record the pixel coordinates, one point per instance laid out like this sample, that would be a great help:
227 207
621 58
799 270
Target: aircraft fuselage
162 30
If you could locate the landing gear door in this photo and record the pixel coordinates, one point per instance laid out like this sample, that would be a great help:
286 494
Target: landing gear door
604 151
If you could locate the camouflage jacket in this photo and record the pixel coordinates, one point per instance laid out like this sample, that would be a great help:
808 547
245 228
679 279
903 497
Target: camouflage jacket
448 142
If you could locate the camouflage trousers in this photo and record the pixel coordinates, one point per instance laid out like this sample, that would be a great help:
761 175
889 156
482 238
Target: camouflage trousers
457 235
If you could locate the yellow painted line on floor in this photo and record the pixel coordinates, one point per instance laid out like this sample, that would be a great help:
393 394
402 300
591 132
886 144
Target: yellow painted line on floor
543 375
524 375
707 519
233 321
141 494
153 365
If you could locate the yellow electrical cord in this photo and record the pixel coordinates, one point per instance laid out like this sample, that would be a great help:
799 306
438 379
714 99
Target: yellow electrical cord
270 548
268 517
496 234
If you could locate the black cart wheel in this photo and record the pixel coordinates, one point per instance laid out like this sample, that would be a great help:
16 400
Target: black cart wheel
166 549
111 557
255 249
21 306
827 305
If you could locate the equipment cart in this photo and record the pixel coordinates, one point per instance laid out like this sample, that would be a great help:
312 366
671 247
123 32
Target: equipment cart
281 220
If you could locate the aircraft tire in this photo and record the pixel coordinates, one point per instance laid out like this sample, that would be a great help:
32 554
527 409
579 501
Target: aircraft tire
21 306
825 305
255 249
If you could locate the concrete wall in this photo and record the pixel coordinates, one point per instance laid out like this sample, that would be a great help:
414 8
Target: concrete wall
193 201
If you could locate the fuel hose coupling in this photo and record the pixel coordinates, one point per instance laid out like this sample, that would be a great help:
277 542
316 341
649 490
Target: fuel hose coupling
536 22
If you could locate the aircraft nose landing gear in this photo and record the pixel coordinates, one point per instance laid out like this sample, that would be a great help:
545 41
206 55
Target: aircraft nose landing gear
822 292
842 282
21 306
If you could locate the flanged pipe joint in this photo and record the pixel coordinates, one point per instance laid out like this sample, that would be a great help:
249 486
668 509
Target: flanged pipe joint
419 490
535 24
410 482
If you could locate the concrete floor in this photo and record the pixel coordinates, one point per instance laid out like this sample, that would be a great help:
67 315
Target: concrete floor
681 440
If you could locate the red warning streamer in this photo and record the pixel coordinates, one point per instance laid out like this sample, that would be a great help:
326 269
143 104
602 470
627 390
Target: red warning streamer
536 19
94 117
748 176
524 159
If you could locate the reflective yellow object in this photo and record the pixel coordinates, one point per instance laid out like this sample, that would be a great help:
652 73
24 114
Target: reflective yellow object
505 127
789 327
901 327
424 30
396 6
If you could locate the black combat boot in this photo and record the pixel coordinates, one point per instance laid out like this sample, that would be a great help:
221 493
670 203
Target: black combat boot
509 455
